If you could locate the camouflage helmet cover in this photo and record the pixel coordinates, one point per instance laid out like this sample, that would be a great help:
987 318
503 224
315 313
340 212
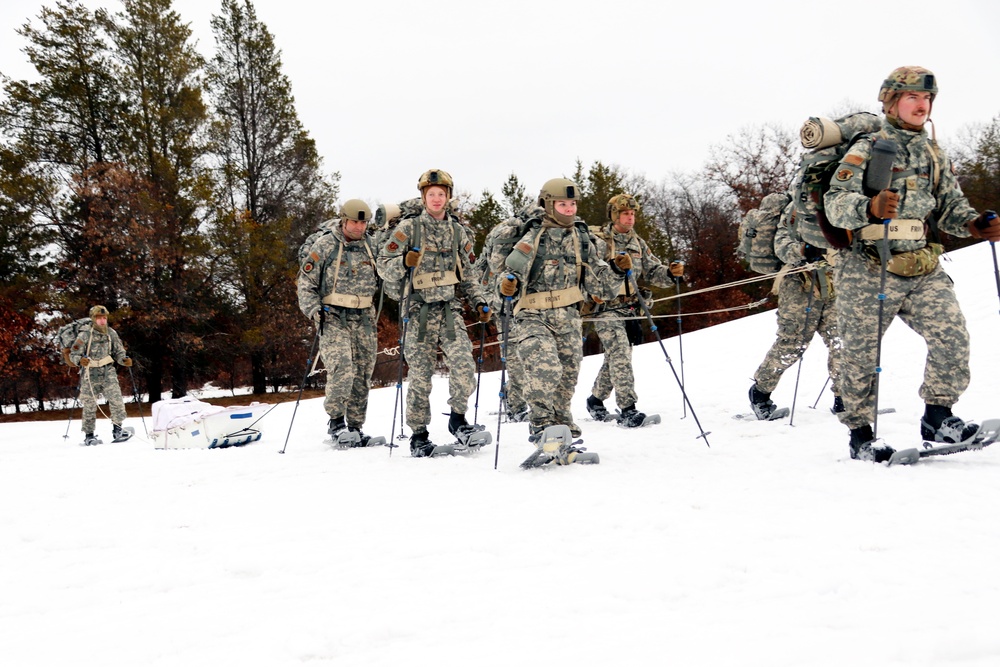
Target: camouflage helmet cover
558 189
619 203
356 210
910 77
98 311
385 213
438 177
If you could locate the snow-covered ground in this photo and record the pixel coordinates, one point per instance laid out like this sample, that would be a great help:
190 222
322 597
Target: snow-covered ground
771 547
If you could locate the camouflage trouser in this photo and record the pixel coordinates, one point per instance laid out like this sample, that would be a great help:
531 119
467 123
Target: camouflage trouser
95 381
927 304
616 371
796 328
437 326
549 343
348 348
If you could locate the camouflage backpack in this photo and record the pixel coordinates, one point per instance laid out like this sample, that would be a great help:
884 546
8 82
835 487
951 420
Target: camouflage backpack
756 240
67 335
826 142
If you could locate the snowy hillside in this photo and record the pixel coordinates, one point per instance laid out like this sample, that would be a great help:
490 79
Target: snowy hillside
771 547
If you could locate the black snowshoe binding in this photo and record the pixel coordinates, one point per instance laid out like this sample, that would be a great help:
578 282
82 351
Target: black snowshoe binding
863 447
420 444
630 417
519 414
119 434
342 437
90 439
939 425
468 435
763 407
598 412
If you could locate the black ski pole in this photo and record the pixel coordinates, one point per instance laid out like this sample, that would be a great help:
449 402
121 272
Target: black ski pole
76 401
404 320
138 401
805 344
652 325
302 386
680 336
996 268
878 177
505 325
479 368
821 392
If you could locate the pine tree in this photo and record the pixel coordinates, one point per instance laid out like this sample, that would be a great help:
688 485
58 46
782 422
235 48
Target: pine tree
514 196
269 187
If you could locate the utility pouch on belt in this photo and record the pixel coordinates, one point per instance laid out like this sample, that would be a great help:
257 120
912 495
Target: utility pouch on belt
912 263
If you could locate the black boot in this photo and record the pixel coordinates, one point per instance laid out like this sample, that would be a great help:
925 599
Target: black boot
863 447
595 407
838 404
459 427
336 426
630 417
118 434
939 425
420 444
761 402
363 439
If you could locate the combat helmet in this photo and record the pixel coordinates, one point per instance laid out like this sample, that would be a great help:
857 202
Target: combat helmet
98 311
558 189
356 210
619 203
909 77
438 177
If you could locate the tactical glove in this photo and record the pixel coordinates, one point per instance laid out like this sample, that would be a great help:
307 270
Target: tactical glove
812 253
484 312
622 262
508 286
412 258
677 269
884 205
85 361
127 362
985 226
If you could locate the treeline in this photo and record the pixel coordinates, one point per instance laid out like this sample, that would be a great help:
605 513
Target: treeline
175 189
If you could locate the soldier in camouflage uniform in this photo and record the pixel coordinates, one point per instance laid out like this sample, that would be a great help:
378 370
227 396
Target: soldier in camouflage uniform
618 236
95 351
336 286
516 407
434 253
806 306
924 197
555 261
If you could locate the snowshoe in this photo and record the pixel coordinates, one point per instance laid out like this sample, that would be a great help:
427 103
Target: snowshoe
89 440
598 412
864 448
422 447
939 425
368 440
470 440
763 407
985 435
121 433
632 418
518 414
556 445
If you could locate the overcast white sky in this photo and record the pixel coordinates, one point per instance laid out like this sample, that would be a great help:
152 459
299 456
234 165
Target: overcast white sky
389 88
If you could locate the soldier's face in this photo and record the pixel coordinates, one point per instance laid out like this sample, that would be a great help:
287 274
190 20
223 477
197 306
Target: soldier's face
626 220
101 320
914 107
565 207
354 230
435 199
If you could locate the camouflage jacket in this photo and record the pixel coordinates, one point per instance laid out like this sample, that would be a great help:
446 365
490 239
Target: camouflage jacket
550 259
645 265
913 174
321 274
96 344
440 249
